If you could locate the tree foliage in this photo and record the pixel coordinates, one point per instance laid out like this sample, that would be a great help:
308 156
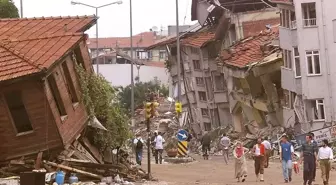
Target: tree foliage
100 99
8 9
140 90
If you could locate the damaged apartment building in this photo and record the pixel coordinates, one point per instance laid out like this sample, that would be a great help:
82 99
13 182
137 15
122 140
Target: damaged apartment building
252 69
204 89
308 41
40 108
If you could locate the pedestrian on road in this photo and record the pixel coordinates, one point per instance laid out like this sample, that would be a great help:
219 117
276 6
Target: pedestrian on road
240 162
315 159
325 157
268 149
158 148
259 159
286 156
308 156
206 141
225 144
153 143
138 142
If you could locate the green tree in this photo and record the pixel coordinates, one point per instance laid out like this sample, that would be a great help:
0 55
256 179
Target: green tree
100 99
8 9
140 90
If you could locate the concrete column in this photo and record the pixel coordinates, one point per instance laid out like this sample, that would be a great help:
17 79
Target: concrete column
254 114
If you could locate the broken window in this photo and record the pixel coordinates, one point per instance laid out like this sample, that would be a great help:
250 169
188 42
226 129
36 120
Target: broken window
204 112
207 126
318 109
78 56
313 62
220 82
287 57
287 19
18 111
199 81
309 14
69 83
197 65
202 96
57 96
288 99
297 62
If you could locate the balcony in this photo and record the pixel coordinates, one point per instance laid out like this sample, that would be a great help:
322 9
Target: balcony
309 22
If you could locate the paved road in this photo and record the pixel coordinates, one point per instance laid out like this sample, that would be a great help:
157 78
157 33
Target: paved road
215 172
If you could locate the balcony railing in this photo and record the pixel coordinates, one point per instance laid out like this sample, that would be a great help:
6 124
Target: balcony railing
293 25
309 22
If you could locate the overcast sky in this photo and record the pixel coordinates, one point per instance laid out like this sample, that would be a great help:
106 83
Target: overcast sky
114 19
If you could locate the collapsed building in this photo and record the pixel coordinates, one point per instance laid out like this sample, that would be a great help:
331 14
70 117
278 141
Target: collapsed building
205 95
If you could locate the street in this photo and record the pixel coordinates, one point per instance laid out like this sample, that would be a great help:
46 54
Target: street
214 171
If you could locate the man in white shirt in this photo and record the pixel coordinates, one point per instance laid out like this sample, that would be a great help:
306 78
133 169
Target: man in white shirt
225 143
325 156
268 149
158 148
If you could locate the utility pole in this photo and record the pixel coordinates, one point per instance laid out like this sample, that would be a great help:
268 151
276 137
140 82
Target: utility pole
97 52
21 8
132 71
178 54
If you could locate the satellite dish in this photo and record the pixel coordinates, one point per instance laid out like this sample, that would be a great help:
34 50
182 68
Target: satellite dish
155 28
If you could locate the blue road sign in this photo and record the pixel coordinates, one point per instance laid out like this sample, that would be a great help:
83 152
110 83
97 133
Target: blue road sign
182 135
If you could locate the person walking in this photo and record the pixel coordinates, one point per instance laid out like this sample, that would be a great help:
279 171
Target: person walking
138 142
308 156
268 149
259 154
206 141
158 148
225 144
240 162
286 156
325 157
153 143
315 143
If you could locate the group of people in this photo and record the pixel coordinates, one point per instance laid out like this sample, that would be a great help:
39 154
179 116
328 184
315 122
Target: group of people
157 144
310 157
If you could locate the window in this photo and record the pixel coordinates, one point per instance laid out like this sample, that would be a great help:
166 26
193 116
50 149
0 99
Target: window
78 56
18 112
194 50
57 96
297 62
313 62
69 83
309 14
287 57
204 112
318 109
287 19
288 99
197 65
162 54
202 96
220 82
199 81
207 126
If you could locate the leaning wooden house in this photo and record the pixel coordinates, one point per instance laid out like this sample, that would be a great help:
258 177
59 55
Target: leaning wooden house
40 108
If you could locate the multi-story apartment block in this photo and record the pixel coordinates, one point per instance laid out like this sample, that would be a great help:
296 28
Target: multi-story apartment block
308 41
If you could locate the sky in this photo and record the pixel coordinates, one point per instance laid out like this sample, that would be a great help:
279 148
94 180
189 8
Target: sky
114 20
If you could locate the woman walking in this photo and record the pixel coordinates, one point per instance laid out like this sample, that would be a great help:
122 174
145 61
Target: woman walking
240 161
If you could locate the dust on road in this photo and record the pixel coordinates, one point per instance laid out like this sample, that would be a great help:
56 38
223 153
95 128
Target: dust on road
214 171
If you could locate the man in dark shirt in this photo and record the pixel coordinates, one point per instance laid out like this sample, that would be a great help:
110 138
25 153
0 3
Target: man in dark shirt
308 156
315 143
206 141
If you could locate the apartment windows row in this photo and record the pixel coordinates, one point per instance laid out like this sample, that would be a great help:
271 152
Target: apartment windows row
288 17
312 59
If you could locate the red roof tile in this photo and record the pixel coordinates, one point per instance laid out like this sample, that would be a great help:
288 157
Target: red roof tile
142 40
248 50
31 45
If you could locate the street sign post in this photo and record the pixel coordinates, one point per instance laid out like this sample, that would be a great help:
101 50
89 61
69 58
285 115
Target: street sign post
182 135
